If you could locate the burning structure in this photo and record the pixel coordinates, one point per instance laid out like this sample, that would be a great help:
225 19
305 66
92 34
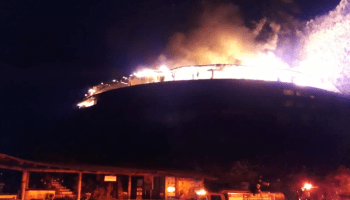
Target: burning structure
222 47
196 100
207 72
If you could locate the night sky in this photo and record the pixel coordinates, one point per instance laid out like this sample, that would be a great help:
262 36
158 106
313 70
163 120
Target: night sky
51 52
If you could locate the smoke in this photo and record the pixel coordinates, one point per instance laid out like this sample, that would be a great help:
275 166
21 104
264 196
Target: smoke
325 47
221 35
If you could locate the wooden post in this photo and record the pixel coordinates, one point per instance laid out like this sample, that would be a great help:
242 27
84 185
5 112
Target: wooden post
152 187
27 183
24 184
79 186
120 188
129 187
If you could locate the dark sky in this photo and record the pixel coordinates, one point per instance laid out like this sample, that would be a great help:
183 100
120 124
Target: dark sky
51 52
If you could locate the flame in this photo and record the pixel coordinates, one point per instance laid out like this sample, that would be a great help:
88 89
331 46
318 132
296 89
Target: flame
87 103
326 45
201 192
145 73
222 38
164 69
265 67
170 189
307 186
91 91
226 49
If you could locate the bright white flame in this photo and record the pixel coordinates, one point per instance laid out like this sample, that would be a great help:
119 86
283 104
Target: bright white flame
201 192
170 189
265 67
86 103
326 46
307 186
91 91
268 60
145 72
164 69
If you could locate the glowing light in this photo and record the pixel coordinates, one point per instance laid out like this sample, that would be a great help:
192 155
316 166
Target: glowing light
307 186
326 46
201 192
86 103
114 80
91 91
164 69
264 66
145 72
324 57
170 189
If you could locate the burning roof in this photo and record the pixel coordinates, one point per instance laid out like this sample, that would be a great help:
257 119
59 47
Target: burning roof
202 72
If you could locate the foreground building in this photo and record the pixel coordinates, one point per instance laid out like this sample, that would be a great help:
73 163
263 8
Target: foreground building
141 183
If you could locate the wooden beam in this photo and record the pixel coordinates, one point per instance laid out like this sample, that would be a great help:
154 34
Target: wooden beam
28 177
79 186
56 168
107 172
68 171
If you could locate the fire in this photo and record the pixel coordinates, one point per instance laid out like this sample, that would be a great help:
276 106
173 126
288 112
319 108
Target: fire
307 186
201 192
91 91
145 73
222 47
326 46
87 103
171 189
265 67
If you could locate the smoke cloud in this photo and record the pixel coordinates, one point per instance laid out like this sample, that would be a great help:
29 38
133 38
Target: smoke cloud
221 36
